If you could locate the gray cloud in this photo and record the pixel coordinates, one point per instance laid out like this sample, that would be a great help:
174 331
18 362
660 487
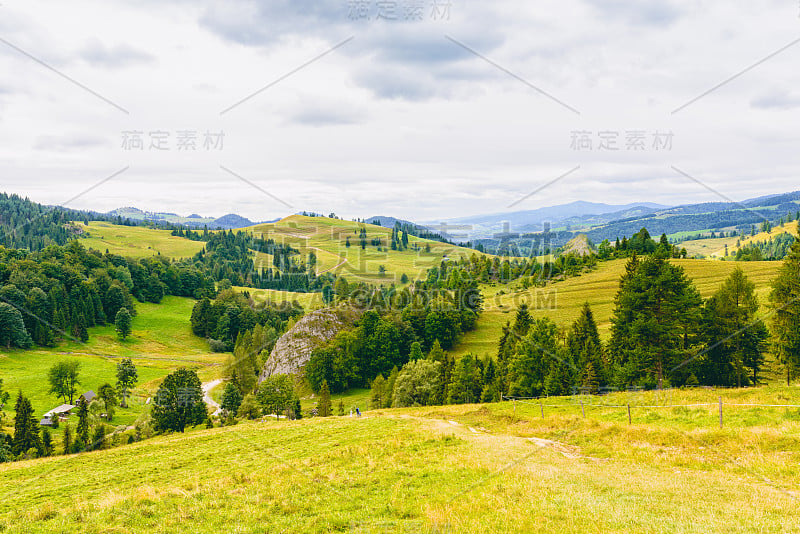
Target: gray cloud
778 99
63 143
393 59
118 56
660 13
326 115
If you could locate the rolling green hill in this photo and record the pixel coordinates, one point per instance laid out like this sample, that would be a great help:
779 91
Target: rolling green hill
137 241
327 238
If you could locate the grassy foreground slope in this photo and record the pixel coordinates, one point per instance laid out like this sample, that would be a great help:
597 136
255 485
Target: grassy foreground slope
491 468
562 301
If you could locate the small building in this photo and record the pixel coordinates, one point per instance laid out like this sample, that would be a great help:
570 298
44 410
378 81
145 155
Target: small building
61 413
89 396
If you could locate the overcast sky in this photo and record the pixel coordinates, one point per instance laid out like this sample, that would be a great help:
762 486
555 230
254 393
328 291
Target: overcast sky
407 108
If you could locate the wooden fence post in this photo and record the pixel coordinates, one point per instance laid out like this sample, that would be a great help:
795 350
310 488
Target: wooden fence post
629 413
541 407
720 412
582 410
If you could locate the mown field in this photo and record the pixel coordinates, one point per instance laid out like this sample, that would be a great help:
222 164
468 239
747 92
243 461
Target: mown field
468 468
137 241
562 300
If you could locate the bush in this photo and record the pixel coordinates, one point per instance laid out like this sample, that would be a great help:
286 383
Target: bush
249 408
217 346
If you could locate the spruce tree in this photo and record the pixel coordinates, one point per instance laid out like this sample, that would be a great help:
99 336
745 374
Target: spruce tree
583 343
376 392
82 432
47 442
522 321
66 439
26 428
785 298
324 403
656 309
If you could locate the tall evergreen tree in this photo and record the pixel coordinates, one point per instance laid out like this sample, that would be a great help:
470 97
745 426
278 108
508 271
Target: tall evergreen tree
26 428
324 403
656 310
82 431
735 338
583 343
785 298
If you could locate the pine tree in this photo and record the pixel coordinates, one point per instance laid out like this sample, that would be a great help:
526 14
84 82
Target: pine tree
324 403
522 321
26 428
47 442
583 344
589 383
785 298
656 308
82 432
376 392
66 439
231 399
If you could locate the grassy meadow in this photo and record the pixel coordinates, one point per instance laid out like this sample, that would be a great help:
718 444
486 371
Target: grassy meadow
137 241
715 248
467 468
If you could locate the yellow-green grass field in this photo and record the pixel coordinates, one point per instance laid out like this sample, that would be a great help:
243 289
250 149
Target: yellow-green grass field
327 239
309 301
563 300
160 342
715 248
137 241
468 468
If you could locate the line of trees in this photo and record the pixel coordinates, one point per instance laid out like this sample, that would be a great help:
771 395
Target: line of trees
61 291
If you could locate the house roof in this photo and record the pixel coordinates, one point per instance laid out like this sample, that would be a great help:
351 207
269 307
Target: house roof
45 422
60 409
89 395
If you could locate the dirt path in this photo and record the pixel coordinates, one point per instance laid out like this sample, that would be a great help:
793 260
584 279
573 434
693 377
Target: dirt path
494 440
207 387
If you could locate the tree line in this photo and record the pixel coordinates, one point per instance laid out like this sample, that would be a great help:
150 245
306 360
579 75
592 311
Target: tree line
61 291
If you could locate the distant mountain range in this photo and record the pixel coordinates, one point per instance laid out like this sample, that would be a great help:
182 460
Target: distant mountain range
525 229
227 222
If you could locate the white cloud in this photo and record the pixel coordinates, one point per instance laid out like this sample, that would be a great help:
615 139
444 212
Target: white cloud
399 121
